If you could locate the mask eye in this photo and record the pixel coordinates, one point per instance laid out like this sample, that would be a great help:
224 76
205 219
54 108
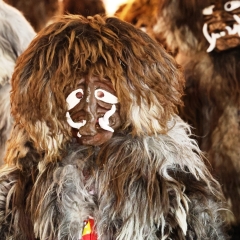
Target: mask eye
79 94
105 96
74 98
231 5
208 10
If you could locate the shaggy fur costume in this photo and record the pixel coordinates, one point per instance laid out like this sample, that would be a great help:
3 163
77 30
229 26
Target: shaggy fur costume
143 14
38 13
148 182
15 35
84 7
212 93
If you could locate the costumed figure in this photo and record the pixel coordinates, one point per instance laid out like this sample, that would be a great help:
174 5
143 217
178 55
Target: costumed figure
142 14
207 35
15 35
38 12
97 149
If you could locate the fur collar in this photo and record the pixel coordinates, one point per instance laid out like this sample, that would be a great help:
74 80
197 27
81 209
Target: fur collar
135 188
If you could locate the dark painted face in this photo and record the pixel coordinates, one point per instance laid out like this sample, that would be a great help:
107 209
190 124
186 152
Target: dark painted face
222 25
93 111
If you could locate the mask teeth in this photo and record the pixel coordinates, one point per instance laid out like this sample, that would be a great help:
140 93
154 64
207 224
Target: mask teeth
214 36
210 39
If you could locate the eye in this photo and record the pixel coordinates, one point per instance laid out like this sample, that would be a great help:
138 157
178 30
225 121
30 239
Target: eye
79 94
74 98
208 10
231 5
105 96
100 94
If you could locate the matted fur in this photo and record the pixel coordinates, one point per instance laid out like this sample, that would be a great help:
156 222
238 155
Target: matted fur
15 35
149 181
212 93
136 189
144 14
141 13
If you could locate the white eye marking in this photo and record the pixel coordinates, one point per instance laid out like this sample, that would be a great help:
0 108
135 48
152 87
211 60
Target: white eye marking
208 10
105 96
231 5
74 98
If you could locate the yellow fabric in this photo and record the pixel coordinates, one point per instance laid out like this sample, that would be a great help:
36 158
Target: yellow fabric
87 229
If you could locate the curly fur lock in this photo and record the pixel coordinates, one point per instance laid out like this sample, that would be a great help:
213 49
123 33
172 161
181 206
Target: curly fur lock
149 181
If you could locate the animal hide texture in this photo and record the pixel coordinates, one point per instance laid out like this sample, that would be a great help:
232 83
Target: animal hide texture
15 35
212 90
135 188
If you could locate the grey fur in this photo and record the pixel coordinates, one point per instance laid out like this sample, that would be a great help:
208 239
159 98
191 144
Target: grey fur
15 35
62 196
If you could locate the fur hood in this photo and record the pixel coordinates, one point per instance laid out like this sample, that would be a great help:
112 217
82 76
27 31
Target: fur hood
149 181
134 187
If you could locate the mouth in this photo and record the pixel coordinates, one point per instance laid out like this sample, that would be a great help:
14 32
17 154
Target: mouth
226 34
95 140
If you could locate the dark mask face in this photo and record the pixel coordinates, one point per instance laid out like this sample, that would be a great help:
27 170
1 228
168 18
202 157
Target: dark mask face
93 111
222 25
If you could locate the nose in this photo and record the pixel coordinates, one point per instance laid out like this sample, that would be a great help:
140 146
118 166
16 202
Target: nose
89 108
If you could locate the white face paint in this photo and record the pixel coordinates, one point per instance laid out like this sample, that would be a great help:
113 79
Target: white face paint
231 5
106 97
75 97
208 10
228 6
72 100
104 121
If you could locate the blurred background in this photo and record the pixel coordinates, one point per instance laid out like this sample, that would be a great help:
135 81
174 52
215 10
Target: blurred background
40 12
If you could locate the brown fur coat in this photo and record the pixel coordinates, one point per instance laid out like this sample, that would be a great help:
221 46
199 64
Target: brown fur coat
149 181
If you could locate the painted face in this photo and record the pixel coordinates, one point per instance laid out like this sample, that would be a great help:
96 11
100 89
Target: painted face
222 25
93 111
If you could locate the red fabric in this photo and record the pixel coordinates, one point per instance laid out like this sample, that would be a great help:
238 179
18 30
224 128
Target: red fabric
88 231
